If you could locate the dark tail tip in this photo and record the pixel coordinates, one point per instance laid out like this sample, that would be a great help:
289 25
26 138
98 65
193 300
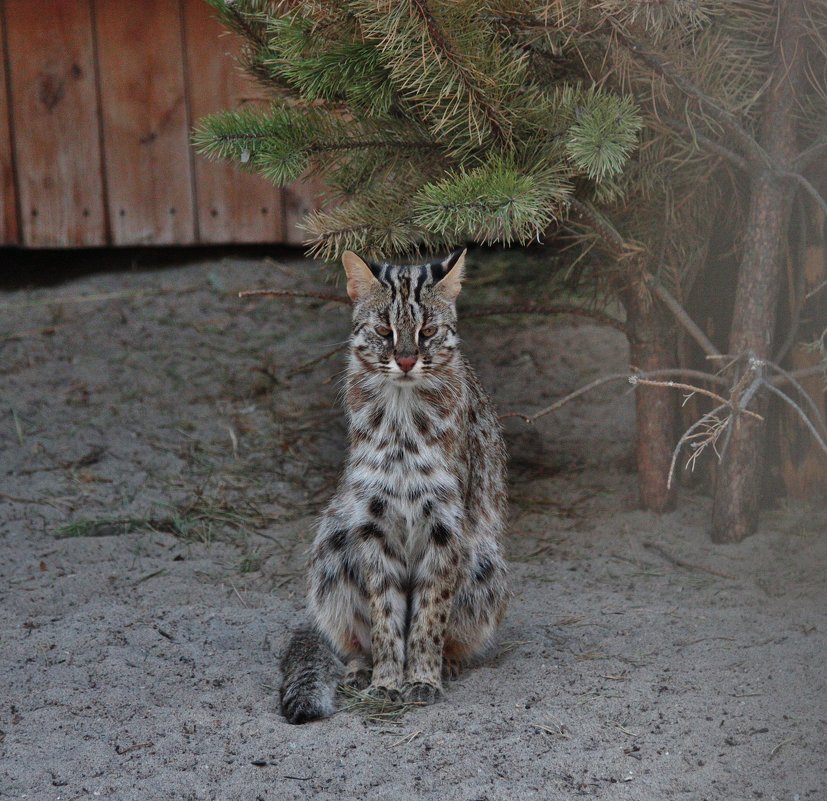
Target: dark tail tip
311 674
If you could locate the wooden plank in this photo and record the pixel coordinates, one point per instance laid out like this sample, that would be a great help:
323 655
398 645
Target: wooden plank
8 196
145 126
232 206
54 107
300 199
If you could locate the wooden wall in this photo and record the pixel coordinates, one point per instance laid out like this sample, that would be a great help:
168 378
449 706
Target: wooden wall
97 101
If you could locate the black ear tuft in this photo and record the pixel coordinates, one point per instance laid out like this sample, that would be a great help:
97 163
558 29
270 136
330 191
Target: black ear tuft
452 259
441 267
376 268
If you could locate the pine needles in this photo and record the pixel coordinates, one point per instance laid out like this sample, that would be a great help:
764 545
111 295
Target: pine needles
424 116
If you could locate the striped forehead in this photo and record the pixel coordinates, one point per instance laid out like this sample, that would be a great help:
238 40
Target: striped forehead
407 282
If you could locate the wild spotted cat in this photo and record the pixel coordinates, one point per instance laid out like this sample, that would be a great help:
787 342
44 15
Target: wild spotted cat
407 577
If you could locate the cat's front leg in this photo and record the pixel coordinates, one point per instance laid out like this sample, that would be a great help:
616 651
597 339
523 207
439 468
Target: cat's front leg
387 605
431 600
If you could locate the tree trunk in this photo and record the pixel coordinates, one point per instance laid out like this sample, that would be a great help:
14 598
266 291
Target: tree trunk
737 491
652 346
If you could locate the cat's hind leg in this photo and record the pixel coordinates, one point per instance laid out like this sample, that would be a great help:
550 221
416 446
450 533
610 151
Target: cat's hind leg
356 599
337 596
478 607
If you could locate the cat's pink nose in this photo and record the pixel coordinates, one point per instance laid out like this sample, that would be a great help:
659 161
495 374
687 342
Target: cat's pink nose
406 363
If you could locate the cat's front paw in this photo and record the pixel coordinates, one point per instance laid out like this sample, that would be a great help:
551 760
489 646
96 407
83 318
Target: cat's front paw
421 692
357 679
380 693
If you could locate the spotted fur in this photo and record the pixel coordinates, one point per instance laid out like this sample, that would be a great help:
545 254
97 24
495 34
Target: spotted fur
407 578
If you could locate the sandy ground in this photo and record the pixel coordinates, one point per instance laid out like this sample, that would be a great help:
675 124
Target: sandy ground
165 449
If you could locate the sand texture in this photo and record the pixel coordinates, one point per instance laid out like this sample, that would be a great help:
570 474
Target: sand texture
165 448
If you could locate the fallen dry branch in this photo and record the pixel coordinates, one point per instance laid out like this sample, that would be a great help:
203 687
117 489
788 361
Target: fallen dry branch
652 546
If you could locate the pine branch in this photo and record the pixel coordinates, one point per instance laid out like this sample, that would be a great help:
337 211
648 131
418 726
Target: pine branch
755 153
451 74
608 235
470 81
285 142
494 202
705 143
244 17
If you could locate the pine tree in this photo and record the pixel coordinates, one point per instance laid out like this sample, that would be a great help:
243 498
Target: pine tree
631 123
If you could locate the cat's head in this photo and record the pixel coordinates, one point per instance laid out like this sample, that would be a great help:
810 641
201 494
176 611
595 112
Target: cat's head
404 317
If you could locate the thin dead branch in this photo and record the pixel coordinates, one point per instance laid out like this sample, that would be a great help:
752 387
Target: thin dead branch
636 380
708 436
630 377
285 293
806 186
790 378
481 311
681 315
652 546
806 157
577 311
800 412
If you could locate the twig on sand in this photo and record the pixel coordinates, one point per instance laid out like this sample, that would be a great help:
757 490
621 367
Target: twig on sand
558 730
681 563
779 747
406 739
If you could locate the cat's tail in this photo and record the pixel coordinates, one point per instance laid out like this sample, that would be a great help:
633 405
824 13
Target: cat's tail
311 673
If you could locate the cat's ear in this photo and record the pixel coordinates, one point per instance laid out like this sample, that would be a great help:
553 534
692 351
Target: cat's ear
360 278
452 267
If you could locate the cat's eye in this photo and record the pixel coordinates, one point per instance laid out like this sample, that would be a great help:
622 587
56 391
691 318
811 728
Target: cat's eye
383 330
428 331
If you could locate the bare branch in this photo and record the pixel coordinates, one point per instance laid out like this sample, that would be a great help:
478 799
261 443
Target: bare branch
800 412
635 380
807 186
632 378
589 217
815 291
285 293
804 372
568 398
683 318
600 317
791 379
618 246
806 157
482 311
710 437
